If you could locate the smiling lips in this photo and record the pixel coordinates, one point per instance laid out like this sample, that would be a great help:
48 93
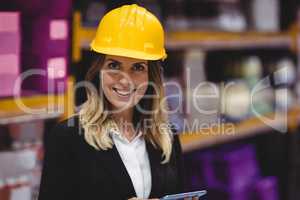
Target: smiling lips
123 93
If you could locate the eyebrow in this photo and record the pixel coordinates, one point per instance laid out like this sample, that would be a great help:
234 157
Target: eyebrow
140 63
110 59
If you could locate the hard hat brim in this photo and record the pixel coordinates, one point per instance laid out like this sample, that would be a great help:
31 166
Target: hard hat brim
128 53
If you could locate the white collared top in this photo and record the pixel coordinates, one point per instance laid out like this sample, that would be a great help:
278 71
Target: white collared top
135 158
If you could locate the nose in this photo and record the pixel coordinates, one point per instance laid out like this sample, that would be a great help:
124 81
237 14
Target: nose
125 81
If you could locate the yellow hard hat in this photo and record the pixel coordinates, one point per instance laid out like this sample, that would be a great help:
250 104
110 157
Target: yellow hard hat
130 31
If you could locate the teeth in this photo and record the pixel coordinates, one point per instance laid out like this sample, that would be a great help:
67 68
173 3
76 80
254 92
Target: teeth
122 92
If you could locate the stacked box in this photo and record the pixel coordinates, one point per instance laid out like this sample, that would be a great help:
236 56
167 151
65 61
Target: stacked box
265 189
227 172
36 8
230 172
194 170
10 39
227 194
260 189
31 131
15 163
30 7
233 167
59 9
46 51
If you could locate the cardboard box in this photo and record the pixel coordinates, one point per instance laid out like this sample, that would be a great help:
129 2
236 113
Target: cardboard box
10 39
45 55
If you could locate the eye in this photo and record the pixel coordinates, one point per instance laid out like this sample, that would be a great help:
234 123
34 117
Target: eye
114 65
139 67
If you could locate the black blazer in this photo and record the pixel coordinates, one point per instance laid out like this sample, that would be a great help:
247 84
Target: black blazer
74 170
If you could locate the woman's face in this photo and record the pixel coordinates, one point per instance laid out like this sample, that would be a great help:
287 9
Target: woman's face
124 80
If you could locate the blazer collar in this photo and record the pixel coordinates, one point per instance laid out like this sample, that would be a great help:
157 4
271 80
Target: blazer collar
156 170
111 160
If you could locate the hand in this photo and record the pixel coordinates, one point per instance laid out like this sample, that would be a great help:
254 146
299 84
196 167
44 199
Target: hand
135 198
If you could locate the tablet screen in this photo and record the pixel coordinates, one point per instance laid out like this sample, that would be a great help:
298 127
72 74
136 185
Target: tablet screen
182 196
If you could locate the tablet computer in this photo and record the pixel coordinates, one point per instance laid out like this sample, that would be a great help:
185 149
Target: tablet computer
184 195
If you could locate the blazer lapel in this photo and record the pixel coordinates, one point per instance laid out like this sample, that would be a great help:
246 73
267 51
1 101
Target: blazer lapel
112 161
156 170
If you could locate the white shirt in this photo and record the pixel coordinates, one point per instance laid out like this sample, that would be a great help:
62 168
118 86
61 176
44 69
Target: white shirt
135 158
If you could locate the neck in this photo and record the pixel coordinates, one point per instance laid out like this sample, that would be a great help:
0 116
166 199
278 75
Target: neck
124 122
124 116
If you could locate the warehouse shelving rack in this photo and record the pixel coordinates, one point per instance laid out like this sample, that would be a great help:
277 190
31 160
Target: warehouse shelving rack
44 106
209 40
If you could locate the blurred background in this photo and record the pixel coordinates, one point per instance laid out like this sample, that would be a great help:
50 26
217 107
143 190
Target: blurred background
248 149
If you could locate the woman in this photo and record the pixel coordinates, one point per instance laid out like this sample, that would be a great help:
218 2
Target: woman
119 146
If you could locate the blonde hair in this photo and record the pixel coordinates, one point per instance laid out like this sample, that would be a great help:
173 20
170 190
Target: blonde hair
96 121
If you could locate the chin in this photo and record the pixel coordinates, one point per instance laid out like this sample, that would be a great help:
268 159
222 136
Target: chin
121 105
